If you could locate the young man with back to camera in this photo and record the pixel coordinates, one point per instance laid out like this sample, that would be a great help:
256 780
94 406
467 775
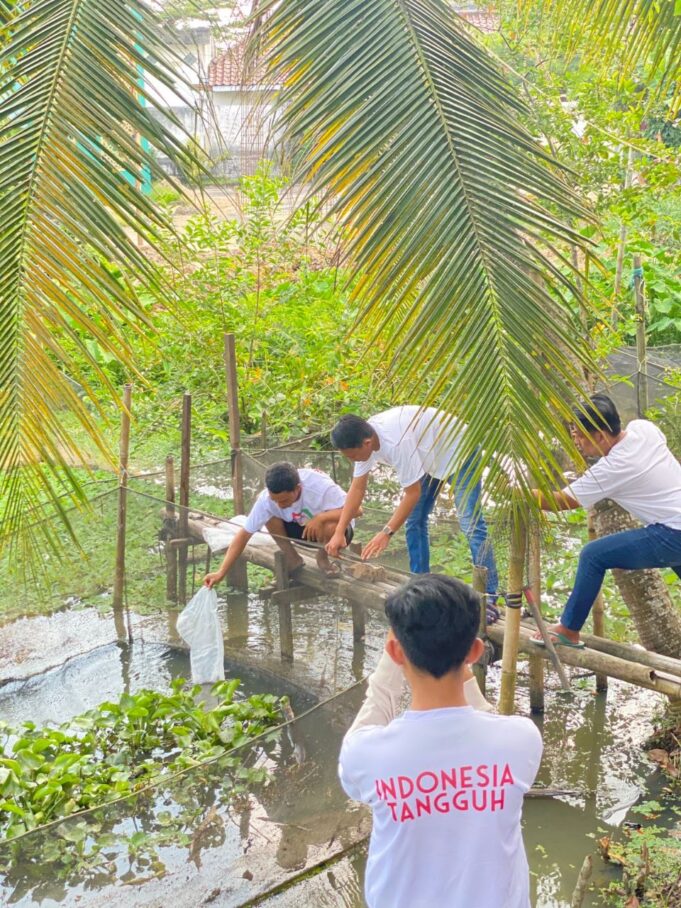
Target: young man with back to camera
301 505
636 470
445 782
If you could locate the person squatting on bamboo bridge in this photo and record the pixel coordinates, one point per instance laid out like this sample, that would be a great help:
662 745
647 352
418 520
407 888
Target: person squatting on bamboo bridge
295 504
636 470
445 781
421 445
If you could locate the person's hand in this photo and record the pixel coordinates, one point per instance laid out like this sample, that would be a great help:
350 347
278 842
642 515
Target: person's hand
313 531
211 579
335 544
375 546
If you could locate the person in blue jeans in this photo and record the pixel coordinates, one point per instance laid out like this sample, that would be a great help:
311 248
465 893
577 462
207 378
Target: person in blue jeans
421 445
636 470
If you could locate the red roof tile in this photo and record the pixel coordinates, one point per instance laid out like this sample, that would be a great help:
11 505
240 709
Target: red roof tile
485 20
228 69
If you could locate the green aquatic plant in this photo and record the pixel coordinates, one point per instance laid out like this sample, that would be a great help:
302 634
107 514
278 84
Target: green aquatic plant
118 748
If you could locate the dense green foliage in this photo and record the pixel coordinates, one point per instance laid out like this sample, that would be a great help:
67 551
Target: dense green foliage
117 748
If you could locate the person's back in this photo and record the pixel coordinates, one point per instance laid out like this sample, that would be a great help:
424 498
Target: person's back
446 790
445 782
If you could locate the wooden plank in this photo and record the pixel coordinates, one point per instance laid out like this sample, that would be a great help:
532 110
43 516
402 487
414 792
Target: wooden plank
294 594
282 581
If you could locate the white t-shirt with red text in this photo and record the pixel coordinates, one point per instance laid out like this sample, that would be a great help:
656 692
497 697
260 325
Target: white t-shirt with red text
446 788
318 493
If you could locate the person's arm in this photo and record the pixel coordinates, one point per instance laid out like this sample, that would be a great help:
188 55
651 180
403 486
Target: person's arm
562 501
236 548
383 697
352 505
377 545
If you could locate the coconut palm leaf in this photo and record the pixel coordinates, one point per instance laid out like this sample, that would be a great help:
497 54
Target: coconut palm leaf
636 33
456 218
76 135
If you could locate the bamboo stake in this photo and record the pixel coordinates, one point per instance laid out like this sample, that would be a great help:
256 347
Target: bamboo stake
480 586
281 580
183 529
536 663
119 575
238 576
598 612
263 430
509 660
582 883
171 551
641 353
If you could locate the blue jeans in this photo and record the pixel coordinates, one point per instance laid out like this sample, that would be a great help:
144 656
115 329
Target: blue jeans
471 519
654 546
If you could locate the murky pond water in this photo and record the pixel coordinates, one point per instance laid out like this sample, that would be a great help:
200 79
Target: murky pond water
267 836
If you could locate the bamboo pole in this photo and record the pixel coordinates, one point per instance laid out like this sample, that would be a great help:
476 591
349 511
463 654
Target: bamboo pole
171 551
238 576
582 882
183 530
119 575
480 586
598 612
509 659
263 430
621 246
641 353
281 579
536 663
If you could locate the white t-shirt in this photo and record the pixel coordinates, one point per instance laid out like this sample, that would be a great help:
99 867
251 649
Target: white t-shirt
446 788
415 442
319 493
640 473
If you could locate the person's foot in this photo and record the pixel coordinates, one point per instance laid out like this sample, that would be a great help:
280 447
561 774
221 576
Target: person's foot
295 564
493 613
325 565
560 636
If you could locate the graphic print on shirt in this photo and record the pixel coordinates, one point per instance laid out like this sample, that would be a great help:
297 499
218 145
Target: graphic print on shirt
479 788
302 516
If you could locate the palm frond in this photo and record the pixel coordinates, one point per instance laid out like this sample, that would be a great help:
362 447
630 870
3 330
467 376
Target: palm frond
635 33
456 217
77 133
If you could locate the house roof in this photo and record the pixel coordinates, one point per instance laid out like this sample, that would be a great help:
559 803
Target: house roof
228 69
485 20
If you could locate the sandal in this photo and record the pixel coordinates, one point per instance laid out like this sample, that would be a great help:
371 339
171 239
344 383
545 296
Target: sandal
559 640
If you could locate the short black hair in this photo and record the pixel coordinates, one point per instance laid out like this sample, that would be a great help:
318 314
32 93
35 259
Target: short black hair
350 431
436 619
282 477
599 414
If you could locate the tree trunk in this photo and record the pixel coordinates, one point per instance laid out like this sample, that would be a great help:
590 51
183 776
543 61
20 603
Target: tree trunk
645 593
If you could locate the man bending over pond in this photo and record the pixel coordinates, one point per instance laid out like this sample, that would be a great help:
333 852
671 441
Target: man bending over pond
636 470
421 445
295 504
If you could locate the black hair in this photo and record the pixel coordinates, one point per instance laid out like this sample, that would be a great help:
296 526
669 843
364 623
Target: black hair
599 414
282 477
435 619
350 431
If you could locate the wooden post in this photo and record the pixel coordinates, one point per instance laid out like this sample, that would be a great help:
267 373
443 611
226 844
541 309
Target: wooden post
171 550
641 354
281 580
263 430
621 247
238 576
480 586
509 660
536 663
183 528
598 612
358 621
119 576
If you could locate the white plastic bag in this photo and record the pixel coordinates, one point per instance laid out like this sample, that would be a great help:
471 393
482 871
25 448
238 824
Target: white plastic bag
199 626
